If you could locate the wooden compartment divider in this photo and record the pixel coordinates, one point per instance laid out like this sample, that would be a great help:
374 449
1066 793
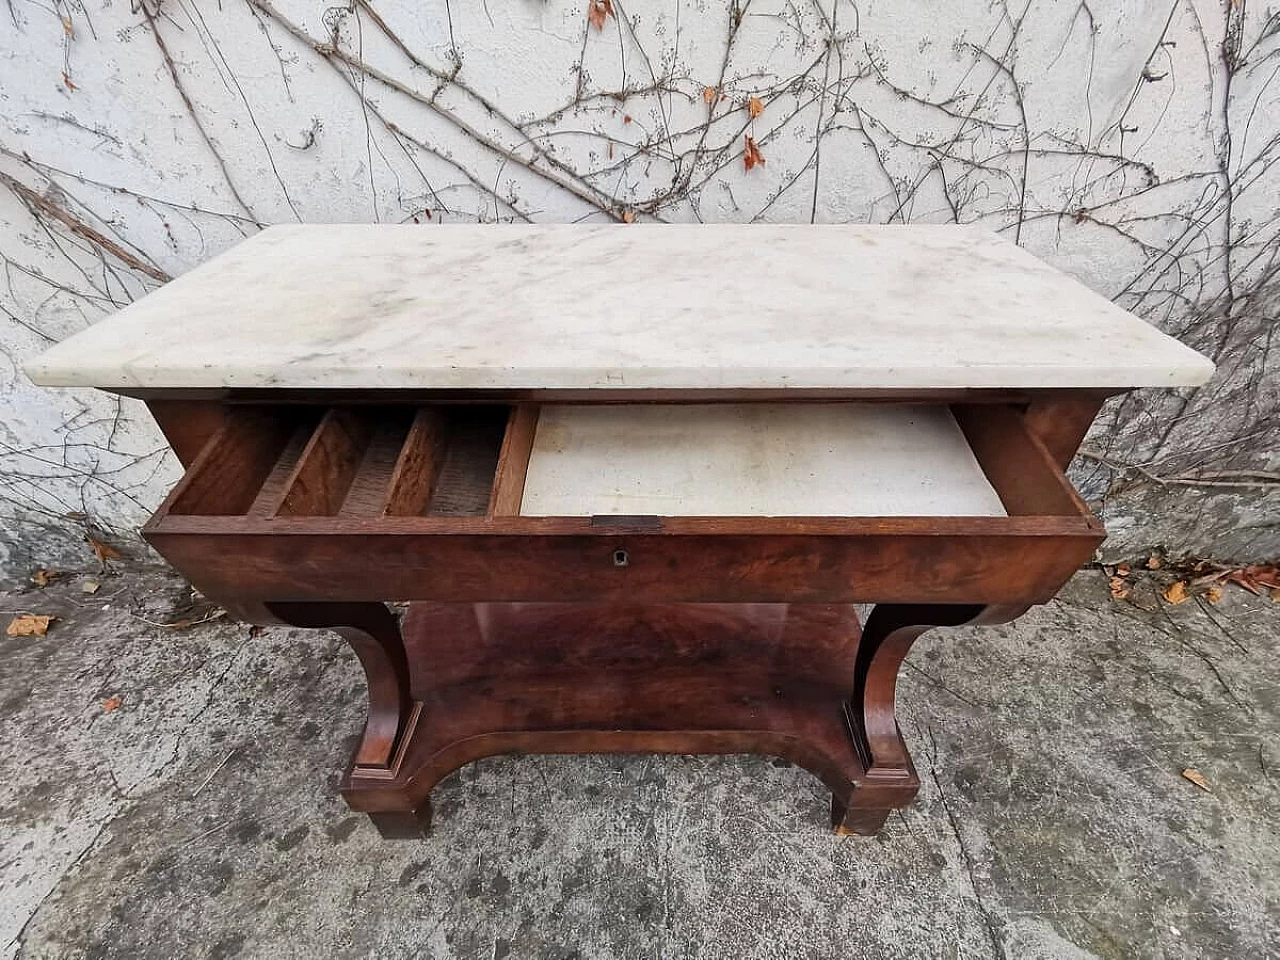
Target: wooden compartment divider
369 489
464 482
1016 462
228 474
414 475
359 462
328 465
513 461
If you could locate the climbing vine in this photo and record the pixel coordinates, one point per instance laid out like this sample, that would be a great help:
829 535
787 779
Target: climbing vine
1133 144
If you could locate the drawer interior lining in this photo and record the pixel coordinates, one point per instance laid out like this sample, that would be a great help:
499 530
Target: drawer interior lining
766 460
526 462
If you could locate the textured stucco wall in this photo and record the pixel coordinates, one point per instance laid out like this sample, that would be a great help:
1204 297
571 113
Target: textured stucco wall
1132 144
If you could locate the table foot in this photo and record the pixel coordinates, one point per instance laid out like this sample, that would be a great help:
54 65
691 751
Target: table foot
859 821
402 824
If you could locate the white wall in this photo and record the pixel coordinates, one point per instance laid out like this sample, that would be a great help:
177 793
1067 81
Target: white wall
1116 139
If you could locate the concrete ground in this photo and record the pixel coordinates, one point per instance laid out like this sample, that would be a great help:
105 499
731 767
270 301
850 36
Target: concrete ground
200 817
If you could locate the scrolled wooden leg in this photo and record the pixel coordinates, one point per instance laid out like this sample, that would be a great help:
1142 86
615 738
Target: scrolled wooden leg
890 630
373 632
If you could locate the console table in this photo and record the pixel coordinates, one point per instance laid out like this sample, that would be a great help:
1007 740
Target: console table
632 480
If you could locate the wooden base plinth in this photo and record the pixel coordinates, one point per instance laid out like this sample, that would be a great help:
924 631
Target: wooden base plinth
497 678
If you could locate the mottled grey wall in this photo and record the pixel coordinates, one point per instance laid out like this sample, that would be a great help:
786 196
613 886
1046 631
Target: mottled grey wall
1132 144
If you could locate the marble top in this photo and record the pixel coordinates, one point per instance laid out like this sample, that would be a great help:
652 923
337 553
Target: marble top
621 306
754 460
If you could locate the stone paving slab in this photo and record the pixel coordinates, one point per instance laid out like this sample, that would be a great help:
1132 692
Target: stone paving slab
200 818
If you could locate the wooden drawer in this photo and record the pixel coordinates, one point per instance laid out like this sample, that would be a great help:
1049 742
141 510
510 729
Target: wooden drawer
424 503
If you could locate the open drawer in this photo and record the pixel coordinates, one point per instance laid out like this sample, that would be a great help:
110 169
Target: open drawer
818 503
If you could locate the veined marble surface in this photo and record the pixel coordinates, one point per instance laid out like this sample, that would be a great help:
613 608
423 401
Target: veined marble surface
754 460
653 306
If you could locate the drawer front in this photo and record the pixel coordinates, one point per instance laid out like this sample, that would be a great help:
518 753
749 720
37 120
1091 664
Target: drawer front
404 503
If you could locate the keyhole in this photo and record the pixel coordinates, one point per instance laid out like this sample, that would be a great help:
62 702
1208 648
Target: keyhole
620 558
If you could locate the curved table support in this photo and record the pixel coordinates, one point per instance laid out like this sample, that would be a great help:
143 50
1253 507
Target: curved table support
373 633
891 781
490 673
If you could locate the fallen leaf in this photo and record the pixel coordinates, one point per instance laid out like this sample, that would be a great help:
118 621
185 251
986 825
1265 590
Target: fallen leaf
1275 594
1123 570
104 551
626 118
112 703
89 586
29 625
1119 588
43 577
1176 592
598 10
1154 562
709 94
1213 594
628 216
755 107
1198 779
67 82
751 155
1260 576
67 27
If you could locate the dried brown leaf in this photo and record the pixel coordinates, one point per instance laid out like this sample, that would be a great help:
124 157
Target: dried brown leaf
755 107
598 10
1176 592
626 118
1264 576
1123 570
29 625
112 703
709 94
1242 579
628 216
1154 562
1198 779
68 82
1213 594
67 27
104 551
751 155
43 577
1119 588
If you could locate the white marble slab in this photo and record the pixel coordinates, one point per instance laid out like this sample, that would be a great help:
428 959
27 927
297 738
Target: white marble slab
572 306
753 460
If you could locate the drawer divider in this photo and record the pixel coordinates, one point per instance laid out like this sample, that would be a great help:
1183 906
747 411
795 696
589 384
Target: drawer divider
328 465
414 477
513 461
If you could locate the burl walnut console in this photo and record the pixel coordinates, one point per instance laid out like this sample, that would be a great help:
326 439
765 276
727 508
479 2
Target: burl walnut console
632 480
